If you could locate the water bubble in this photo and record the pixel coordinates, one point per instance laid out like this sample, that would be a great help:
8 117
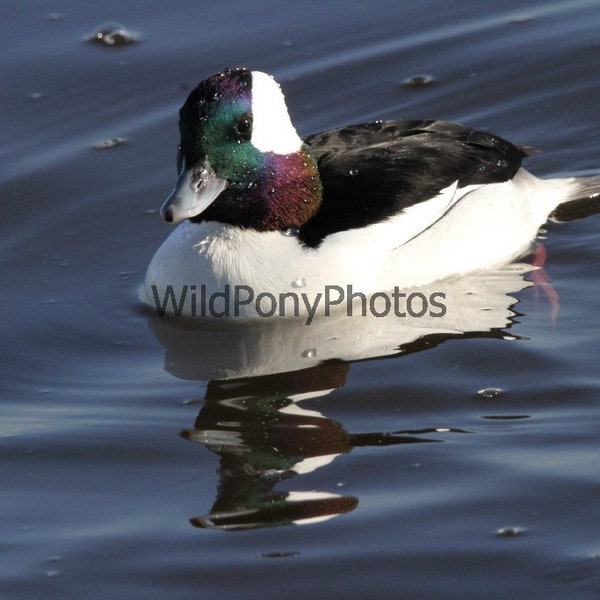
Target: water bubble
490 393
505 417
509 531
278 554
53 560
353 172
309 353
111 143
191 401
418 81
300 282
112 35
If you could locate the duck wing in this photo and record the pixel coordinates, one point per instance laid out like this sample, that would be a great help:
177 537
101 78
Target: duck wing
373 171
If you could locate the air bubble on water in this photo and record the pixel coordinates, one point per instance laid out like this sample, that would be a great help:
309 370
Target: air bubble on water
299 283
505 417
418 81
278 554
53 560
509 531
490 393
191 401
112 35
111 143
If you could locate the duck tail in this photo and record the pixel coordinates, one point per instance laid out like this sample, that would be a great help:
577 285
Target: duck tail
583 201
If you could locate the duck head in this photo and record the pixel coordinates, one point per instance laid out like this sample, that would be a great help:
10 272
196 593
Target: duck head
240 160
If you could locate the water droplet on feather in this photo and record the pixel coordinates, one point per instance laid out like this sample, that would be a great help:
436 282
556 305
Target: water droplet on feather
300 282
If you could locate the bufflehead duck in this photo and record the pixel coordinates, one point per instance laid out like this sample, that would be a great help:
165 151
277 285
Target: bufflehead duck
375 206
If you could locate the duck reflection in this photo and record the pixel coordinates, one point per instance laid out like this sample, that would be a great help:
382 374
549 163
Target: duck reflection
259 375
479 305
264 437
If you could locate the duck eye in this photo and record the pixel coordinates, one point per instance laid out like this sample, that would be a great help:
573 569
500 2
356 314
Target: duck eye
179 160
244 127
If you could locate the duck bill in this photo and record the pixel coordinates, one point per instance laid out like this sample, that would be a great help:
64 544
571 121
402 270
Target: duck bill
196 189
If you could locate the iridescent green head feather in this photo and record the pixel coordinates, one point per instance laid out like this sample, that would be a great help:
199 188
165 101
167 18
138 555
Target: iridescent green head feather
240 159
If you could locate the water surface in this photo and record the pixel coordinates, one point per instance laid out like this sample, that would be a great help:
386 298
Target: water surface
142 458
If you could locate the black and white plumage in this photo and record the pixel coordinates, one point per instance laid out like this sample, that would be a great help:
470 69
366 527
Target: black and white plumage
373 171
376 206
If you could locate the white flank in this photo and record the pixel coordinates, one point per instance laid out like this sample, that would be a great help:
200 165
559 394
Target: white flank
272 129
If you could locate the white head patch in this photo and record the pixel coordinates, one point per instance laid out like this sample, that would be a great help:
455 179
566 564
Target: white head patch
272 129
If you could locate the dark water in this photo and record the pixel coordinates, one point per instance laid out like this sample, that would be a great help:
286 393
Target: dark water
464 464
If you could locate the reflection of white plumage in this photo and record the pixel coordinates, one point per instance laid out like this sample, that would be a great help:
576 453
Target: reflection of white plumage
474 305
